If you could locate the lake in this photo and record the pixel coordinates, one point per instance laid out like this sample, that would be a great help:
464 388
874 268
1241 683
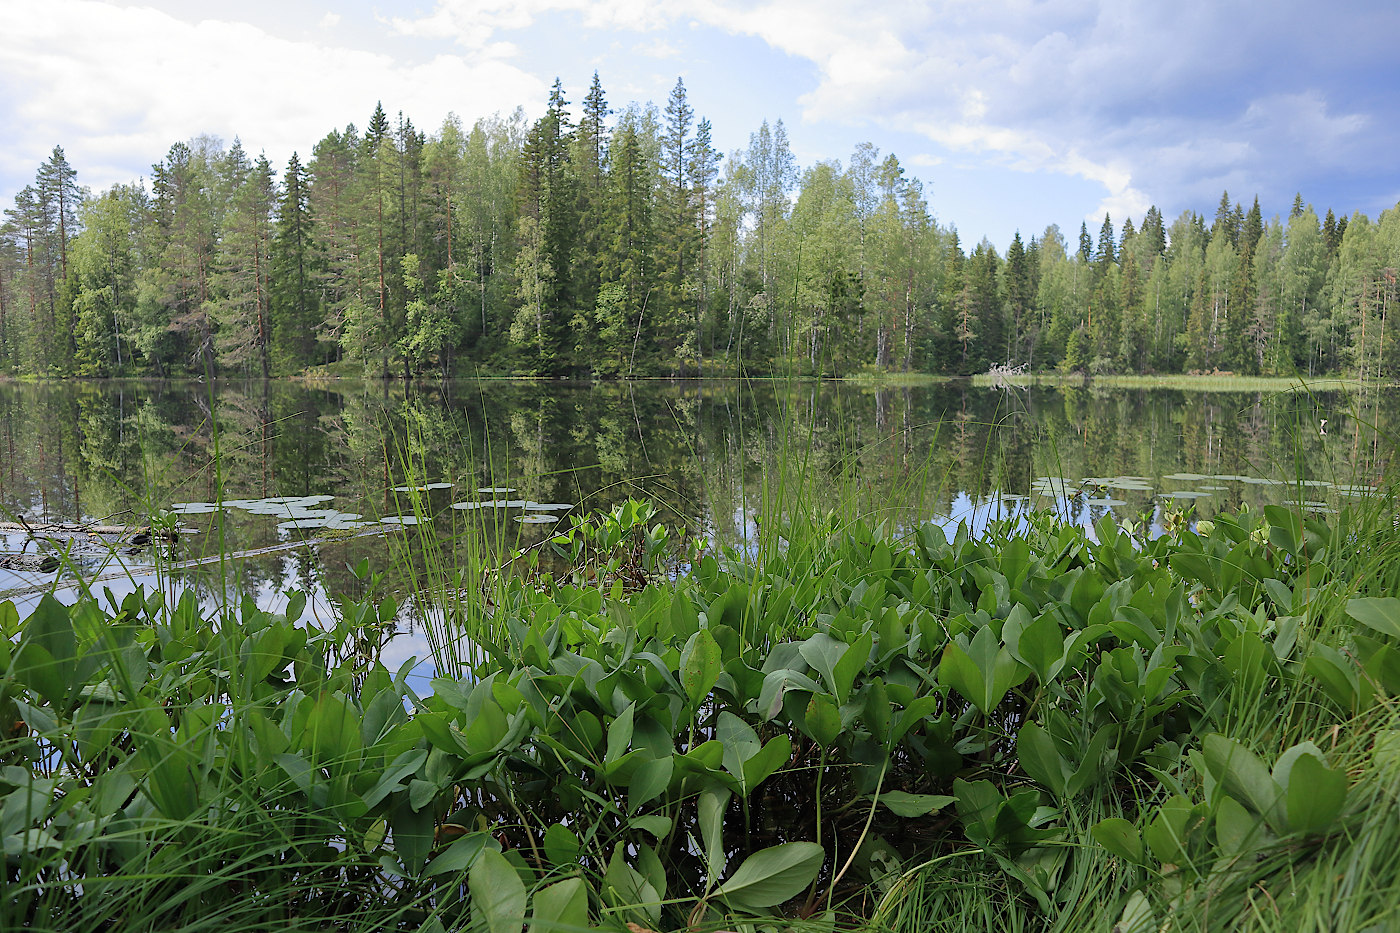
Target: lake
294 460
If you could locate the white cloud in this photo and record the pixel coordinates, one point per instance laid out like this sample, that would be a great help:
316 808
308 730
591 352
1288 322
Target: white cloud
657 48
175 79
329 21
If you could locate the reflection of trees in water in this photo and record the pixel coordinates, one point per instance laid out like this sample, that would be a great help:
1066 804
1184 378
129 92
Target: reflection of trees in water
706 453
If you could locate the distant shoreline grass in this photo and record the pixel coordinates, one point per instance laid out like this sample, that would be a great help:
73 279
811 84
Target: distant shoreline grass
1200 383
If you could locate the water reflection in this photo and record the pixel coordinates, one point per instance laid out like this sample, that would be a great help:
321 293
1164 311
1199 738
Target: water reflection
708 454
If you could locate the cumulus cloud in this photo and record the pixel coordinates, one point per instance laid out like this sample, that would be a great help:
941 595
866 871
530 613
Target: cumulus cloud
172 79
1154 102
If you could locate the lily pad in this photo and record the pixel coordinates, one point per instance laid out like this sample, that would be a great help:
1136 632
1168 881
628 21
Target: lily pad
1184 494
192 508
1185 477
401 520
493 490
530 518
547 506
1106 503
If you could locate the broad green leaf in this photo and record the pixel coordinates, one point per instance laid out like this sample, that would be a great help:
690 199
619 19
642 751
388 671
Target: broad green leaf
823 719
772 756
1041 645
1119 837
773 875
852 662
984 672
713 801
560 906
561 846
1245 778
1036 752
620 734
629 887
498 894
461 854
1316 795
1234 826
700 666
911 805
1380 614
649 780
740 743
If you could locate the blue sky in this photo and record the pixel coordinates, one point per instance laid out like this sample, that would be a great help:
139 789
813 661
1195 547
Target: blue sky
1015 113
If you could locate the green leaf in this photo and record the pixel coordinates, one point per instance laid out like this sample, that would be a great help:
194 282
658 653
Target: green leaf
700 666
1380 614
1119 837
1234 826
823 719
649 780
1316 795
1245 778
461 854
654 823
773 875
1036 752
911 805
620 734
713 801
630 888
772 756
561 846
1041 645
984 672
740 743
498 894
561 906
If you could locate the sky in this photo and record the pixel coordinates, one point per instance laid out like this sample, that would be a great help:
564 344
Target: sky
1015 114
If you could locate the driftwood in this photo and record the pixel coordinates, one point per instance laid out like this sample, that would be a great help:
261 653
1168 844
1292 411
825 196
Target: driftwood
40 563
139 534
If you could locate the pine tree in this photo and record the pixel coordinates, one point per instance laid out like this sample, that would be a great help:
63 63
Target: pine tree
548 199
295 300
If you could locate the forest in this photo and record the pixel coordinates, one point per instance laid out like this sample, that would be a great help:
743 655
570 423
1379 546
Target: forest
622 244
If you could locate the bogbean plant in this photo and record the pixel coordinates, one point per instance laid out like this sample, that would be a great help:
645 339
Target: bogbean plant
801 738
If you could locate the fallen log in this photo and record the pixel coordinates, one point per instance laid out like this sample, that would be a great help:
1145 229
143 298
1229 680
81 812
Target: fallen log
139 534
34 563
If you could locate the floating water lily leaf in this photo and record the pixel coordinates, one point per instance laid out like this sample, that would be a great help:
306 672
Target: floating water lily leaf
192 508
401 520
492 490
303 525
547 506
1106 503
1354 492
1261 481
1317 483
529 519
1184 494
1185 477
1216 488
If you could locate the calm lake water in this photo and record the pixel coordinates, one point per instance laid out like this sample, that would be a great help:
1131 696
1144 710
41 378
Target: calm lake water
706 453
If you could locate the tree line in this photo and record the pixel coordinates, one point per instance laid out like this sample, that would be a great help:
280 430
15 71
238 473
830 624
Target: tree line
624 244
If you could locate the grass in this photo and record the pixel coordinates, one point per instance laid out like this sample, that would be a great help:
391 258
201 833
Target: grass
1191 383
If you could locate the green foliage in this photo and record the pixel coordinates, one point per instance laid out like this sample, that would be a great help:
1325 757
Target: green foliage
749 739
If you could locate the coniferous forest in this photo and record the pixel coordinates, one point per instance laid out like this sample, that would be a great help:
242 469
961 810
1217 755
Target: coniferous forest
619 243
